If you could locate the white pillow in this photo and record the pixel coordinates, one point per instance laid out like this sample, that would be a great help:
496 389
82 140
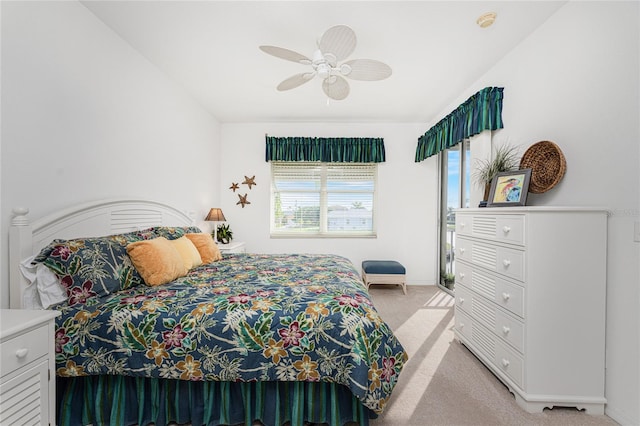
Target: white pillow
44 288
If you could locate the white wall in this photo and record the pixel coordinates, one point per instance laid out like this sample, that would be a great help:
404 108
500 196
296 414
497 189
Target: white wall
407 196
575 81
85 117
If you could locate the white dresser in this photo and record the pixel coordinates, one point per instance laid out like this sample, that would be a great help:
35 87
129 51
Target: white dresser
530 296
27 375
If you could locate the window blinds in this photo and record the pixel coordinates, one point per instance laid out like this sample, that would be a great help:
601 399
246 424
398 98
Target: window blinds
323 198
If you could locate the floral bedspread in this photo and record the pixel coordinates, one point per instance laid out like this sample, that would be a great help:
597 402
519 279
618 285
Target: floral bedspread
247 317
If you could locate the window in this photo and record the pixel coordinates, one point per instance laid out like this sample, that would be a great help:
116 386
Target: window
323 199
455 188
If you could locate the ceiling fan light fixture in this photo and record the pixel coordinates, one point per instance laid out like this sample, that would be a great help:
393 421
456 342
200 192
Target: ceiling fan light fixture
318 57
330 58
486 19
345 69
323 70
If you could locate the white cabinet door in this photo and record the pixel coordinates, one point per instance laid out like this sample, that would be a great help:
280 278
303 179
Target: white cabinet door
24 398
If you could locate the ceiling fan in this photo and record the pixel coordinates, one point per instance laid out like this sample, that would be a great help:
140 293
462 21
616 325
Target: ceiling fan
335 45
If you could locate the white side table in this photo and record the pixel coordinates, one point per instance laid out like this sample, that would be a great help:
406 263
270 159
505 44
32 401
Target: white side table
232 247
27 371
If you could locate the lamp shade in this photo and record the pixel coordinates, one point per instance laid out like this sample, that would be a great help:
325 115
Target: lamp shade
216 215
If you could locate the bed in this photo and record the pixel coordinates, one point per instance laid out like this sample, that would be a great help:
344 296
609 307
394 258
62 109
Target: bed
244 338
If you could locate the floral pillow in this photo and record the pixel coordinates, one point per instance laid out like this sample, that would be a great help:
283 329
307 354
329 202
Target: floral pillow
174 232
90 267
95 267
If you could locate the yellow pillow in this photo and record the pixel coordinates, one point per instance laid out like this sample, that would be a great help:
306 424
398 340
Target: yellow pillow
209 251
188 252
157 261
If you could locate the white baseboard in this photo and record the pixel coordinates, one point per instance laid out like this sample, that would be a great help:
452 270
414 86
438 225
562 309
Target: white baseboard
623 418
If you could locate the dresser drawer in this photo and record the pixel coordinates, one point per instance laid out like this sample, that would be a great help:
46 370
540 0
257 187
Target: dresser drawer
464 224
510 330
506 294
502 358
463 299
463 324
21 350
491 316
510 363
502 260
503 228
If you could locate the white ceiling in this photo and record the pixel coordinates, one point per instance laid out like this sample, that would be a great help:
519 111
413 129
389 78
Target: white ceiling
435 49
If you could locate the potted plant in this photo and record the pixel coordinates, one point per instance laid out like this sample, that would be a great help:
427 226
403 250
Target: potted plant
505 159
447 279
225 234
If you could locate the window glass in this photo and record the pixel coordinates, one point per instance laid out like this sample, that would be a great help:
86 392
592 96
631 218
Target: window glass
455 192
323 199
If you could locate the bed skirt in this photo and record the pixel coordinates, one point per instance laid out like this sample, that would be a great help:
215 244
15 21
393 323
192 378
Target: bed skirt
122 400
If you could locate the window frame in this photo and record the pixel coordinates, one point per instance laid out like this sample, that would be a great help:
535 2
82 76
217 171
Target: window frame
323 192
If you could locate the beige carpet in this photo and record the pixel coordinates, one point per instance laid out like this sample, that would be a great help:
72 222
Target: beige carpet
443 383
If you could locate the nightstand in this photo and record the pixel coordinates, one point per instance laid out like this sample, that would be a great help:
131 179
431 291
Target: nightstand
232 247
27 372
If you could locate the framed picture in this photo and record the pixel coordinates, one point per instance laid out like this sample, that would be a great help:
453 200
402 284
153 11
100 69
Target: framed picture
509 188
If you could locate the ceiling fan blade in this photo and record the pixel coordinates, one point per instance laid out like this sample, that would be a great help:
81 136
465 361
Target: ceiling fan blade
336 87
365 69
295 81
339 41
287 54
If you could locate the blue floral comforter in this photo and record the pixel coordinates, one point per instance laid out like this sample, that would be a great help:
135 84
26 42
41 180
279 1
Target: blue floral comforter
247 317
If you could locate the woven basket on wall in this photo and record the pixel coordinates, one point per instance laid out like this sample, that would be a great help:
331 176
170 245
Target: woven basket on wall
547 164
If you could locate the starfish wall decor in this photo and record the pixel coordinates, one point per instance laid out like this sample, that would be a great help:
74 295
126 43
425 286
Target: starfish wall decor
243 200
249 181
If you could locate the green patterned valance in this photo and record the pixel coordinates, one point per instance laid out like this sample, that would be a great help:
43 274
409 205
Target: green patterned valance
482 111
326 150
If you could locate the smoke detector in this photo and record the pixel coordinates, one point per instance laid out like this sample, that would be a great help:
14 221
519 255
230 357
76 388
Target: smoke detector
486 19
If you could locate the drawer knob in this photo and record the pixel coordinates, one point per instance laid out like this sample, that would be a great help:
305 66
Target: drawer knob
461 325
461 274
505 362
506 229
462 224
506 263
462 250
22 353
506 296
461 300
505 329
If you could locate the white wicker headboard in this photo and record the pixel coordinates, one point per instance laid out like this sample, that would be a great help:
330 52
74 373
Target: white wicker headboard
93 219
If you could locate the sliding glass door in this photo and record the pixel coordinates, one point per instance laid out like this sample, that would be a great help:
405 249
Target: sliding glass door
454 193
